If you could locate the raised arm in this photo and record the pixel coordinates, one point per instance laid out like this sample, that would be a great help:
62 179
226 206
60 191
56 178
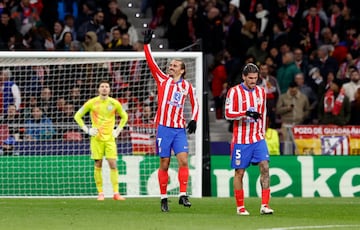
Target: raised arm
156 72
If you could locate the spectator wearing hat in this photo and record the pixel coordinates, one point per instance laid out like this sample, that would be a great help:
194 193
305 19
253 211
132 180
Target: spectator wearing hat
91 43
334 107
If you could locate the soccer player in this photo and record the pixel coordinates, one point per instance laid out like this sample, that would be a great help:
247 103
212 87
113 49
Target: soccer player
173 90
103 109
245 104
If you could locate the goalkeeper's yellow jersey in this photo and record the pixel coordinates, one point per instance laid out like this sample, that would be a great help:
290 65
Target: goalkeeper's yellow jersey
103 116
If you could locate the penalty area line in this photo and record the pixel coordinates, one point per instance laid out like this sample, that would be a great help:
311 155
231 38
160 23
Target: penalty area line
311 227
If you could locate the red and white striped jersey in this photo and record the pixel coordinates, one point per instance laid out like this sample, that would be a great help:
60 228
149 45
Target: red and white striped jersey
239 99
171 96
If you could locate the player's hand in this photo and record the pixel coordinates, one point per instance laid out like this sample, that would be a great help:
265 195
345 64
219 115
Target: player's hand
191 126
116 132
253 114
91 131
148 36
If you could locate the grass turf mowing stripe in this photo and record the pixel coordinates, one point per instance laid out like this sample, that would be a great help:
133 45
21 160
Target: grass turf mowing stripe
205 213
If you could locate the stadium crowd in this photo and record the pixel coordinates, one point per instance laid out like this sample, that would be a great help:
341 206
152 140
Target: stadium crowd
307 52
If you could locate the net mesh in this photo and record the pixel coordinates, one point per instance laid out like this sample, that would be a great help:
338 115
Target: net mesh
43 151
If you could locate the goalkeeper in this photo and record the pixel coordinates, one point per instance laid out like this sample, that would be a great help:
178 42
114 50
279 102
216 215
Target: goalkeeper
173 89
103 109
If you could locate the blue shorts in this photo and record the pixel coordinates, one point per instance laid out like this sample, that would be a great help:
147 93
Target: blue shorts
168 139
242 155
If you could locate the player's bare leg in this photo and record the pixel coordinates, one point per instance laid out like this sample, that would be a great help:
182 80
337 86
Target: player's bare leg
265 185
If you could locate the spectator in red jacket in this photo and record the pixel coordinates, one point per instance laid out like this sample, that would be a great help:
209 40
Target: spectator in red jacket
219 84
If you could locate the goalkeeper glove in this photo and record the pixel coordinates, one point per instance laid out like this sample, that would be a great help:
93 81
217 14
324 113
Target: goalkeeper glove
92 131
148 36
116 132
253 114
191 126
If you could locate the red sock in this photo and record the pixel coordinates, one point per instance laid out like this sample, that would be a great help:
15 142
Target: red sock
265 196
183 176
239 197
163 178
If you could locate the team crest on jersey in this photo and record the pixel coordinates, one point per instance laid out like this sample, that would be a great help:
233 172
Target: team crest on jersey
110 107
177 96
237 162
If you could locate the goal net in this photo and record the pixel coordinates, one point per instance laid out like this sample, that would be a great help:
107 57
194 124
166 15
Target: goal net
44 153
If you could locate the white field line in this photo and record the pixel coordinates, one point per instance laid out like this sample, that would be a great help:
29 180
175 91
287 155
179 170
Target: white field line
313 227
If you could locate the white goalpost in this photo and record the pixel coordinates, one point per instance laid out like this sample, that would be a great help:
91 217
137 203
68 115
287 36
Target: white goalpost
44 153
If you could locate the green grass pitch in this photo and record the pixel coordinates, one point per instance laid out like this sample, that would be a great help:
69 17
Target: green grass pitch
205 213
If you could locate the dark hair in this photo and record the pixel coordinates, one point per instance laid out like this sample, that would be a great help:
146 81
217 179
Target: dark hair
250 68
293 84
338 82
352 67
6 11
104 81
69 16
